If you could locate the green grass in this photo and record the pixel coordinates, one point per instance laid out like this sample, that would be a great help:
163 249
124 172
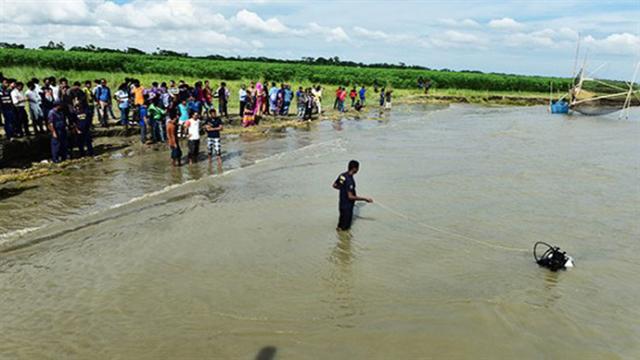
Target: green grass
234 70
116 78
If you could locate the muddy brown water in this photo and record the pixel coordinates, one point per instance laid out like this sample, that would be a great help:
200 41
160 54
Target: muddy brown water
130 259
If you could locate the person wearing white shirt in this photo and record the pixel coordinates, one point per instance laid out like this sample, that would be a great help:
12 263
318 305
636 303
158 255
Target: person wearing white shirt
55 89
19 102
35 108
317 96
192 127
242 96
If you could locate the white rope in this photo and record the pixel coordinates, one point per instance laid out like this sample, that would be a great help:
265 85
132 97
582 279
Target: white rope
447 232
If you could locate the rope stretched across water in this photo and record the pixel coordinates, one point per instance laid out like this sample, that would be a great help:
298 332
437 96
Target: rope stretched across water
447 232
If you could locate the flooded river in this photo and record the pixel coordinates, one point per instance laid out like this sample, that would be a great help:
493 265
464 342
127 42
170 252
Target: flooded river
130 259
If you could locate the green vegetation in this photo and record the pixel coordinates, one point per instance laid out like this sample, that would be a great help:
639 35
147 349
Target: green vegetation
297 72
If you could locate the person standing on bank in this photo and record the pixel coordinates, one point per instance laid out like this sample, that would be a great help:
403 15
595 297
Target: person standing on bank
57 124
348 197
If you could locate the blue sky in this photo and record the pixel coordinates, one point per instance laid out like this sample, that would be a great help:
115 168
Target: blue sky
525 37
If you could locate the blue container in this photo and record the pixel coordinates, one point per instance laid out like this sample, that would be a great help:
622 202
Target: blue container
559 107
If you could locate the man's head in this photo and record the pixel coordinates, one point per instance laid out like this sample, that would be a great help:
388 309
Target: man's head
173 115
212 113
19 85
353 167
223 84
103 82
76 84
87 84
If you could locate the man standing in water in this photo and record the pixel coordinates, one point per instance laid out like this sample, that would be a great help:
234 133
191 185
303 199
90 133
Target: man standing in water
213 126
347 187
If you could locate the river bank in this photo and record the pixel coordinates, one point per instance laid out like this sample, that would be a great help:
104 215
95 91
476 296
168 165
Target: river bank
27 158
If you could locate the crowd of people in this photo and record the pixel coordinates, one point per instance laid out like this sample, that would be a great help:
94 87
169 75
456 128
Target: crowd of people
164 112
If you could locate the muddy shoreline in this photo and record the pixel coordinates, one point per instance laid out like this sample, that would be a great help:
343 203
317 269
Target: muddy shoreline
26 159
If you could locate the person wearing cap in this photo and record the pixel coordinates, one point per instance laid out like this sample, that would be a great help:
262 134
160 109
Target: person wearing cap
58 128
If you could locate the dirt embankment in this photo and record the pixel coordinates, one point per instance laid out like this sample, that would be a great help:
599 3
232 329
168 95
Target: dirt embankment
475 99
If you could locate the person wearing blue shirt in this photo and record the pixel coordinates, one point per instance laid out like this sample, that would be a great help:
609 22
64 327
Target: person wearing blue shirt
103 95
348 197
273 97
57 124
288 96
300 97
362 94
242 95
142 121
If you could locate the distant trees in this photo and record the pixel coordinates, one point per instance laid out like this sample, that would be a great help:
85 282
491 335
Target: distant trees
5 45
53 46
163 52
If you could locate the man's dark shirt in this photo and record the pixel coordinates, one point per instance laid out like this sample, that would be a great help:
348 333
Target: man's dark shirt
346 184
57 120
76 100
222 95
5 100
214 123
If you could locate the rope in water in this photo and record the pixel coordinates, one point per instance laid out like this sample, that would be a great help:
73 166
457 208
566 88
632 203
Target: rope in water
447 232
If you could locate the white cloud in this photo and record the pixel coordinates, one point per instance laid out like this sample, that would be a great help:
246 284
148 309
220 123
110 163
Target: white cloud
251 20
336 34
371 34
505 24
32 12
617 44
530 40
458 39
459 23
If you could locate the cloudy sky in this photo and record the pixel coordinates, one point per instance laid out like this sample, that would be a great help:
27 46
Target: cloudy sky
524 37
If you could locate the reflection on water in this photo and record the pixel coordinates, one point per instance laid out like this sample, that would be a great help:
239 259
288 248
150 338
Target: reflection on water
340 280
139 260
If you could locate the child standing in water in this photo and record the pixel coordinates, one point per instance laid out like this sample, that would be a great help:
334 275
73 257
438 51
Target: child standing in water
172 139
